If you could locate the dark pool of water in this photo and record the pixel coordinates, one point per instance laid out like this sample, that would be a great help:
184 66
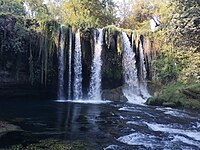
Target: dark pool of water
108 126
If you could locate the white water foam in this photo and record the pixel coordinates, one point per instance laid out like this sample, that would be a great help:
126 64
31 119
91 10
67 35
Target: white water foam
139 139
133 109
178 114
112 147
178 138
164 128
175 112
133 122
131 85
85 101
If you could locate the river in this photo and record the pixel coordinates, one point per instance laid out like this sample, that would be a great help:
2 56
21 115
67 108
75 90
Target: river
109 126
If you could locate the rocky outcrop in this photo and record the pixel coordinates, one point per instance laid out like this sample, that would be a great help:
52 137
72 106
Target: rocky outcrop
112 74
29 58
115 95
7 127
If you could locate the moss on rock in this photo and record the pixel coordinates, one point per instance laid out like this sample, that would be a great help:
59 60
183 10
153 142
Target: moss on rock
52 144
178 95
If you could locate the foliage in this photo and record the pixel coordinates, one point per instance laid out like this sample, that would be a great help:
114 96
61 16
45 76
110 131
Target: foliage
187 25
178 95
137 14
14 7
36 9
88 13
178 58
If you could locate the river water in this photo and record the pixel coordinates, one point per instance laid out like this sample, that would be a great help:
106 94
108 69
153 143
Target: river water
110 126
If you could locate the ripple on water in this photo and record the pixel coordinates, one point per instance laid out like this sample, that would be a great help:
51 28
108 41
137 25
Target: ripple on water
148 141
176 113
89 101
113 147
178 138
132 109
194 134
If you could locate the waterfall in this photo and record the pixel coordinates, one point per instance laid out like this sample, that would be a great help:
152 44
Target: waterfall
142 73
77 91
70 63
131 85
95 83
61 66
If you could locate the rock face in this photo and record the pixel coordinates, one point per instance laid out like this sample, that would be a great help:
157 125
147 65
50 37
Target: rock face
112 75
29 59
115 95
22 64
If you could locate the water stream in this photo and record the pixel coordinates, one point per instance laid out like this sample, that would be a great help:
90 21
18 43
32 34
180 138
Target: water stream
77 91
61 65
70 64
110 126
131 84
142 73
95 82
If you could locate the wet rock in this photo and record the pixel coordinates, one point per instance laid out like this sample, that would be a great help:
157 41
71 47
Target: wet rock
115 95
7 127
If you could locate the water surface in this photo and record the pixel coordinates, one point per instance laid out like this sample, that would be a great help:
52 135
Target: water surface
108 126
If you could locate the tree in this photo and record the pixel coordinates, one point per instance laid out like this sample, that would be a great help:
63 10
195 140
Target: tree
88 13
187 24
36 9
14 7
138 13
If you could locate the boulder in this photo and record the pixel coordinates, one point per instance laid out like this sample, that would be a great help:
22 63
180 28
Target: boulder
115 95
7 127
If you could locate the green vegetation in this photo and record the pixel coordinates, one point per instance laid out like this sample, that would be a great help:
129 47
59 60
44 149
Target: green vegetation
178 95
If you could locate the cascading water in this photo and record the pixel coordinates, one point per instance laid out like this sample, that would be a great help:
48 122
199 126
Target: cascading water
142 73
77 91
131 86
70 63
95 83
61 66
